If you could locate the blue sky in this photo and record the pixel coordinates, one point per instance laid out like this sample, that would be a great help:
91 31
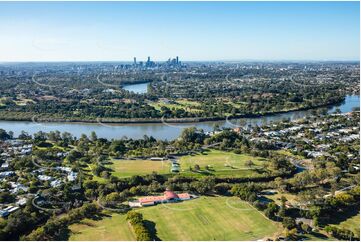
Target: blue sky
76 31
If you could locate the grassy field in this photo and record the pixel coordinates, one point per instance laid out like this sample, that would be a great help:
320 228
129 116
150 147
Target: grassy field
191 106
288 153
352 224
111 228
204 218
222 163
291 198
128 168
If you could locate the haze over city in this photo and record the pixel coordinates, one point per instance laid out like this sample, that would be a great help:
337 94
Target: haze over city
118 31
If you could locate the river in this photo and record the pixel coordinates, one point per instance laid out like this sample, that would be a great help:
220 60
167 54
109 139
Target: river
159 131
140 88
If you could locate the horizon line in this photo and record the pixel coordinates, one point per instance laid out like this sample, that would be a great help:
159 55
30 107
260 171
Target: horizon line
209 60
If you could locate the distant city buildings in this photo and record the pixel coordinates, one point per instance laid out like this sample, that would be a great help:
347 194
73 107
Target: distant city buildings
170 63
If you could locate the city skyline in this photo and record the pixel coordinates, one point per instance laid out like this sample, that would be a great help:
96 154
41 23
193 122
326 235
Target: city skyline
207 31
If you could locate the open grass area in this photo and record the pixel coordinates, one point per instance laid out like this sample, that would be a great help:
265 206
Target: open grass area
110 228
288 153
221 163
24 101
128 168
276 197
204 218
353 224
190 106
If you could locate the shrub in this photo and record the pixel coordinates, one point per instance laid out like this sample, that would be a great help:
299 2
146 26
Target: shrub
138 225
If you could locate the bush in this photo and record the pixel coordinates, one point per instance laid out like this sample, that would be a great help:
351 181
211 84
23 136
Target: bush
137 222
289 223
339 233
53 227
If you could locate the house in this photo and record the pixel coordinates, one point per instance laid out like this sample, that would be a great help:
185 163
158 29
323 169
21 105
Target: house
237 130
6 173
17 187
55 183
5 165
72 176
168 197
45 178
63 168
5 212
21 201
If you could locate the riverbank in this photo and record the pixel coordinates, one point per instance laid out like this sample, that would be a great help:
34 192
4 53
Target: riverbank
40 118
163 131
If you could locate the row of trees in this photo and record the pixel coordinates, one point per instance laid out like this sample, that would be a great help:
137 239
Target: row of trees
137 222
56 227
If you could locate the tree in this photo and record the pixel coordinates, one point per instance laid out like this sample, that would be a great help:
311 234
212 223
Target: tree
249 163
192 135
117 146
305 227
112 198
6 197
93 136
289 223
204 185
4 135
74 155
291 234
271 210
282 211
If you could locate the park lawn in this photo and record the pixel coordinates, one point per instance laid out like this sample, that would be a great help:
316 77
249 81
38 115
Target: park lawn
291 198
191 106
204 218
222 163
288 153
158 105
188 103
23 101
110 228
128 168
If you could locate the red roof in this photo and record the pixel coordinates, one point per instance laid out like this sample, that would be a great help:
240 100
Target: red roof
151 199
184 196
170 195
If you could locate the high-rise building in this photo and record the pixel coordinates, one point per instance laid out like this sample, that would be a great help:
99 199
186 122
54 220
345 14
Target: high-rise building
135 60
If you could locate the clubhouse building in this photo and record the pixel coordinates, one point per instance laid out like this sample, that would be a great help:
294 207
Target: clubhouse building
168 197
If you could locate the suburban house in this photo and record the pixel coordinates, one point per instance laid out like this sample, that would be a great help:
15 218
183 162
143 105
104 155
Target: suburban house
168 197
5 212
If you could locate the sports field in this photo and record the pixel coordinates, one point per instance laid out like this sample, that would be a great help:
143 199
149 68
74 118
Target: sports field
190 106
204 218
221 163
128 168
